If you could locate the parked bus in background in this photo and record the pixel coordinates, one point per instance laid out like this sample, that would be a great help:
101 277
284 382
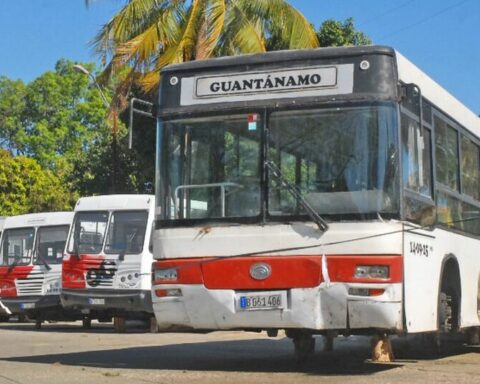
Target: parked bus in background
31 254
322 191
108 261
4 311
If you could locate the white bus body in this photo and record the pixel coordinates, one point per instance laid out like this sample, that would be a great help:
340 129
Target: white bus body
107 266
31 257
401 251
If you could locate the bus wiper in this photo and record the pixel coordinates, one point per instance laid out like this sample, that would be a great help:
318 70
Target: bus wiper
44 262
293 190
14 264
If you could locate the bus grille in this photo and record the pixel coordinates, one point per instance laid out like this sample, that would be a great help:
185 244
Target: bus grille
32 285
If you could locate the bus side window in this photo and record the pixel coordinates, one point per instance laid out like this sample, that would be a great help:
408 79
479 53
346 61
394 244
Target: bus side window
446 152
416 152
417 171
470 179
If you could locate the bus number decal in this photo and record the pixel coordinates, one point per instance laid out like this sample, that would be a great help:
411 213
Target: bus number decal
420 249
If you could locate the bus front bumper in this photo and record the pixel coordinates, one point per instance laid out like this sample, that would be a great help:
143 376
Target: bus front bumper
334 306
26 304
108 301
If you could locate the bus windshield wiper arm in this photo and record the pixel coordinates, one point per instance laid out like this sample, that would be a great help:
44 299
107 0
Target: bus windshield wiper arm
293 190
14 264
44 262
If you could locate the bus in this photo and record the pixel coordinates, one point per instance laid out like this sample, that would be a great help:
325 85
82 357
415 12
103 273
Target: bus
325 191
31 254
108 260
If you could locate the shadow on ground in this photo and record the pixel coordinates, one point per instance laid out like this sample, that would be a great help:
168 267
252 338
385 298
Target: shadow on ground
350 357
232 356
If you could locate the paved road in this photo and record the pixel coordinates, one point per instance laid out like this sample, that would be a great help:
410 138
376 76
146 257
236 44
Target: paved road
65 353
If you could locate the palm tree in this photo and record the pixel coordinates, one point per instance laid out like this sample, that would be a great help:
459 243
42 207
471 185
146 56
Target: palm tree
146 35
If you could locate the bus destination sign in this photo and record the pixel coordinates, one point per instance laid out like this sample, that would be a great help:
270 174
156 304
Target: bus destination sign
258 85
267 82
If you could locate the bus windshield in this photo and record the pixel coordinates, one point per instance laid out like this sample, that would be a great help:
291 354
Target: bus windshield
88 232
343 161
213 167
51 244
17 246
126 233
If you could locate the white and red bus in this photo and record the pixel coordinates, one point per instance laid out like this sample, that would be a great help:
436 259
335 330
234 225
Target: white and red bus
107 266
334 190
31 254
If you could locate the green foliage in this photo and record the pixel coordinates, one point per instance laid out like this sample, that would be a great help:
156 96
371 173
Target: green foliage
60 121
334 33
63 116
12 104
58 127
25 187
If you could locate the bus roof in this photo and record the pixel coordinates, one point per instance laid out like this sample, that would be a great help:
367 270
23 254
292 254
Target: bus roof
39 219
278 56
407 73
115 202
2 222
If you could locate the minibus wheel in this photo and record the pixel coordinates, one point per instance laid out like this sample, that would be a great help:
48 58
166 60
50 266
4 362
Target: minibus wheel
119 324
87 323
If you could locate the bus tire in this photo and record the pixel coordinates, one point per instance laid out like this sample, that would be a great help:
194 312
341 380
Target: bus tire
449 297
87 323
304 345
473 336
119 324
448 310
38 324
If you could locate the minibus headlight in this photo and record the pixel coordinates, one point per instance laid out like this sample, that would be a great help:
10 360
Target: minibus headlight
372 272
169 274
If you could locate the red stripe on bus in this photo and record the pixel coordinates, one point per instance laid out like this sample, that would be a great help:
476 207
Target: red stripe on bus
8 277
188 270
75 268
299 271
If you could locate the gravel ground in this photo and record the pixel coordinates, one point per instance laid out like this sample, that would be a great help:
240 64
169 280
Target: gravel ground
65 353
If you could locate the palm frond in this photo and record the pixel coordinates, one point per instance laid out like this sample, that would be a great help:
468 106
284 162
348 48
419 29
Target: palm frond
130 21
211 28
241 34
294 28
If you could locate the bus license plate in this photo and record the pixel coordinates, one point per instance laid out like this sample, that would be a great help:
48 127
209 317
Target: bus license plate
27 305
264 300
96 301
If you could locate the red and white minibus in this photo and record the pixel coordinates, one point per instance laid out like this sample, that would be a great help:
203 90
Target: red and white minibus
107 266
31 254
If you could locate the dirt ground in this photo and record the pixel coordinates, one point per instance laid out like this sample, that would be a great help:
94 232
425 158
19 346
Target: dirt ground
65 353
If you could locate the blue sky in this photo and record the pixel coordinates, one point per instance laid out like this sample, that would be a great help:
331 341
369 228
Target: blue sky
440 36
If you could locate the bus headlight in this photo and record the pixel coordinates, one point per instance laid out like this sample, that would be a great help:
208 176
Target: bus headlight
169 274
128 279
372 272
168 292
